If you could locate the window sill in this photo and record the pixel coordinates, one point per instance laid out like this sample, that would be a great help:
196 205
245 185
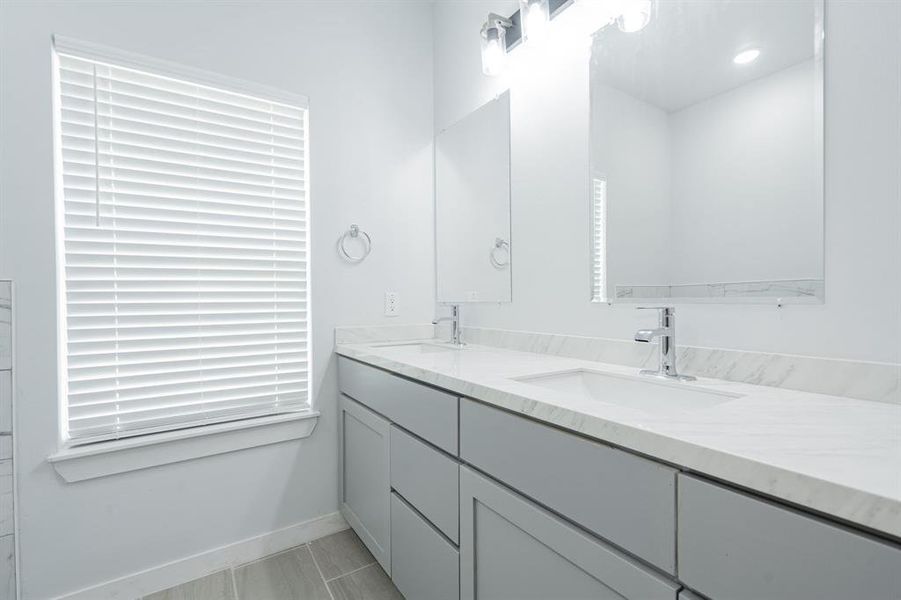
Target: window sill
120 456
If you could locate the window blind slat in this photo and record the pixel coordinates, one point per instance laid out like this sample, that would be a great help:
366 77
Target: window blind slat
107 373
115 106
191 179
184 252
77 137
127 353
183 164
241 105
80 148
599 240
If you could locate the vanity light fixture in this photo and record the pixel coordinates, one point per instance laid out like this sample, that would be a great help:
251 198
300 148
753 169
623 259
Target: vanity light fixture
635 16
535 16
494 44
531 24
746 56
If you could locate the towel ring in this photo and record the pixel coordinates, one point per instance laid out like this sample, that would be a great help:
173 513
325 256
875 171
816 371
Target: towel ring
500 254
354 233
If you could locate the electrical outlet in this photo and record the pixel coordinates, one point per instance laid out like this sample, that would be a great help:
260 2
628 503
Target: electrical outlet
392 308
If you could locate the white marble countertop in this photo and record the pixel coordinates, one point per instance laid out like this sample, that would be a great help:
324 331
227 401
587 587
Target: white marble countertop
833 455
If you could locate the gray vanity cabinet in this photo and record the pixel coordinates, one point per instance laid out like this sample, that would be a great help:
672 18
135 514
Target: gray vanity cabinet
364 478
512 548
457 499
623 498
733 546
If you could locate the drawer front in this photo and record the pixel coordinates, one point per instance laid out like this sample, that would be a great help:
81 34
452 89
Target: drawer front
424 566
620 497
427 479
427 412
510 548
735 546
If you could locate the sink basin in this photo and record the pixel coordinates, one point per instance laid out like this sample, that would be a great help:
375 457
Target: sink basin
417 347
648 395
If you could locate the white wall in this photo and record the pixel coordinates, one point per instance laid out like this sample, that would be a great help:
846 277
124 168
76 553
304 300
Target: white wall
367 70
862 315
746 204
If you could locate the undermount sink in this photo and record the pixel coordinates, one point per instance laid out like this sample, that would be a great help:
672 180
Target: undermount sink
648 395
418 347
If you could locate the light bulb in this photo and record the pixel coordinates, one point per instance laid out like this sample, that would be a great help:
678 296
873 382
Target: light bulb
536 19
635 16
494 49
747 56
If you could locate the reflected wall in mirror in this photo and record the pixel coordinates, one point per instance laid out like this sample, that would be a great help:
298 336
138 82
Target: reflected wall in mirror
472 207
707 154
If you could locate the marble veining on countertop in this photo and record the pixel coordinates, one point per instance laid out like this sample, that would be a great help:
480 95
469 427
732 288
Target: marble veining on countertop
833 455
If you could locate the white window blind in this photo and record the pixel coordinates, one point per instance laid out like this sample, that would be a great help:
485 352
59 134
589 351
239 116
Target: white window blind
599 239
183 251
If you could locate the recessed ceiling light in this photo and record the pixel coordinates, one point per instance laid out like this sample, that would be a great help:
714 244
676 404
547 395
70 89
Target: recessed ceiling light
746 56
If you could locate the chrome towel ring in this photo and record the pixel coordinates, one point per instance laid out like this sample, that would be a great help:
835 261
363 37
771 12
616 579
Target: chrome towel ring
354 233
500 254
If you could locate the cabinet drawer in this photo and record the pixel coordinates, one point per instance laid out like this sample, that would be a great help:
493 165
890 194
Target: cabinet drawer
424 566
427 412
620 497
427 479
734 546
510 548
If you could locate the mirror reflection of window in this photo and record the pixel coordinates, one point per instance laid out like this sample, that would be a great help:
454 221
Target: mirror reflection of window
599 239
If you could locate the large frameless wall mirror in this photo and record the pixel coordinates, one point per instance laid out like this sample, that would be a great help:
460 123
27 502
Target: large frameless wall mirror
707 154
472 206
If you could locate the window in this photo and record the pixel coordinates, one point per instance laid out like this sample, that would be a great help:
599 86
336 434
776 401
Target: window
182 235
599 239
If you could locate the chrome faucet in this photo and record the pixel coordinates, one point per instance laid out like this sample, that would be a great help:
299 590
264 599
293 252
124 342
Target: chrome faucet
456 332
666 332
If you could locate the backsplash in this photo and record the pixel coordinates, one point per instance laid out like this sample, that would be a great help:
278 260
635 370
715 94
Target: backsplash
365 334
880 382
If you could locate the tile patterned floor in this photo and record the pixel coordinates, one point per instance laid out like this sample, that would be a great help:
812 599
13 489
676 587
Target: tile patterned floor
336 567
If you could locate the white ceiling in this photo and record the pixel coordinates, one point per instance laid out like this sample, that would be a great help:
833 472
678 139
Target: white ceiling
685 53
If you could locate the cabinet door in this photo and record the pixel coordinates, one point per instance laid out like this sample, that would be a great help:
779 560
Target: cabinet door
511 548
364 480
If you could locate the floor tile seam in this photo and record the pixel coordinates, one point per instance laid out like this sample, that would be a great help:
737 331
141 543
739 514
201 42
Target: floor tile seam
358 569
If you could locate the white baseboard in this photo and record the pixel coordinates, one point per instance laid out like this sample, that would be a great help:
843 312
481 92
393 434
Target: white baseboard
189 568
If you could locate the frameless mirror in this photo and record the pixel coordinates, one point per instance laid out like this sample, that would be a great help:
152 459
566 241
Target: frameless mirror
472 206
707 154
